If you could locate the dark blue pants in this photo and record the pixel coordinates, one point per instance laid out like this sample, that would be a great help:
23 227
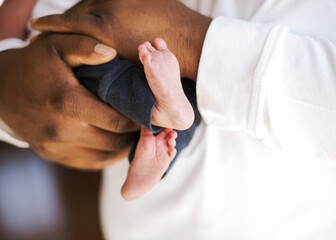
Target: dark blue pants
123 86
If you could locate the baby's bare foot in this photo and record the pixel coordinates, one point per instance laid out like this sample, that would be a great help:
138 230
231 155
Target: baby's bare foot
151 160
172 109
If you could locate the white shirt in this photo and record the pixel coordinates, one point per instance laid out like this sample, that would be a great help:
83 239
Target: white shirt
262 165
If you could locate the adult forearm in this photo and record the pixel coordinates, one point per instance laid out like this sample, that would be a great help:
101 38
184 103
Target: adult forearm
193 43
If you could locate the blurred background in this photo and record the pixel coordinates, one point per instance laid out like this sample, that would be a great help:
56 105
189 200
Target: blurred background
42 201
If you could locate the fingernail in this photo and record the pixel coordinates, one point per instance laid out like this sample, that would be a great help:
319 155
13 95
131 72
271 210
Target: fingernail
104 50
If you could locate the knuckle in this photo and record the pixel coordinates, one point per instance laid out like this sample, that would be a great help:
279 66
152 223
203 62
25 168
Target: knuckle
54 44
49 42
71 17
107 158
125 141
59 100
51 133
103 156
101 16
117 124
119 144
65 102
46 150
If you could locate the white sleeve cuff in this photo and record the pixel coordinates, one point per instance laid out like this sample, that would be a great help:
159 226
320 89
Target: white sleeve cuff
234 55
12 43
7 135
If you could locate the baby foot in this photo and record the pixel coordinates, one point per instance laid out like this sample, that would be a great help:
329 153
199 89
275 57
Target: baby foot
151 160
172 109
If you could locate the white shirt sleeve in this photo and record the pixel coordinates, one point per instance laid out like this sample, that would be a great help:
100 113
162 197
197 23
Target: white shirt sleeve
274 85
6 134
12 43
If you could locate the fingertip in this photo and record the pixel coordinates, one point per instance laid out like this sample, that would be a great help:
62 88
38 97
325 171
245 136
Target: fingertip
104 50
99 55
43 23
33 22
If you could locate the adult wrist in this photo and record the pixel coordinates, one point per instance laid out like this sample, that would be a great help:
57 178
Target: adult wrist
192 48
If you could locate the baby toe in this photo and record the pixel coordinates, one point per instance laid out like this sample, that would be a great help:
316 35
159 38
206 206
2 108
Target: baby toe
173 134
171 143
172 152
160 44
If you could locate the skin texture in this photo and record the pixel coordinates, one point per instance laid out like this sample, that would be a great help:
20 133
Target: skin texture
172 108
60 119
44 104
154 153
152 158
120 24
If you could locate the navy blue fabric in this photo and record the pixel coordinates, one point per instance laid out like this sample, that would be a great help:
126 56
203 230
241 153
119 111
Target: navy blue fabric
123 86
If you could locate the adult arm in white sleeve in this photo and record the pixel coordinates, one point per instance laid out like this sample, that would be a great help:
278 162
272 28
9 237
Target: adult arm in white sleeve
276 86
6 134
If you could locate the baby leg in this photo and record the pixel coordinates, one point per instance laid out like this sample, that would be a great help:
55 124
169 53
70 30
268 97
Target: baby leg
152 158
172 109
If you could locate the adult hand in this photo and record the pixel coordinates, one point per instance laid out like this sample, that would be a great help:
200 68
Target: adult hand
124 24
43 103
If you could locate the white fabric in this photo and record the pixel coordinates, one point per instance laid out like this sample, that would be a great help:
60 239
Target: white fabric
7 135
262 165
11 43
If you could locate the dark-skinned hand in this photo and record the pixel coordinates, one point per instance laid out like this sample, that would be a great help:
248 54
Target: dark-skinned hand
43 103
124 24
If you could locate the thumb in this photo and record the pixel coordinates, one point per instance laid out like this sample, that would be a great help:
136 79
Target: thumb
78 50
67 23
